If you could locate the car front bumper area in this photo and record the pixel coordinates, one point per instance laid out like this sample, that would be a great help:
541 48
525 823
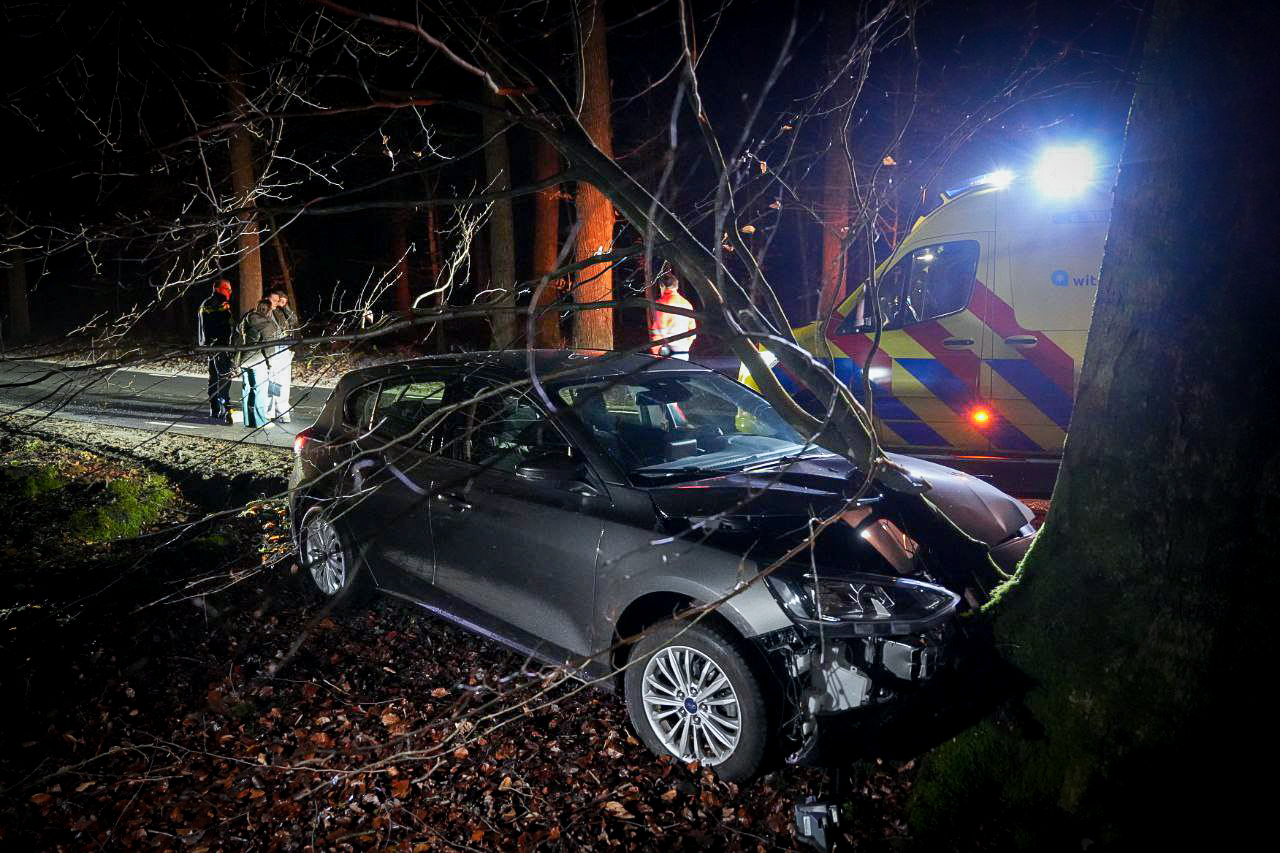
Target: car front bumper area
841 693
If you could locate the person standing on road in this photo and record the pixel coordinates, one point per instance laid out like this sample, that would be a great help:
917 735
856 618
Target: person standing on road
257 328
667 325
214 324
278 405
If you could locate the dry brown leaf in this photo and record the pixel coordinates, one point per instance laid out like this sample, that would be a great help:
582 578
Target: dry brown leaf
618 810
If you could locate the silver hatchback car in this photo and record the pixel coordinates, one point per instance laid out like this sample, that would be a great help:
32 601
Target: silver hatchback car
659 527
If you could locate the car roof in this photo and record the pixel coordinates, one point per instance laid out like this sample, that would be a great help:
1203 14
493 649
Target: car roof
512 365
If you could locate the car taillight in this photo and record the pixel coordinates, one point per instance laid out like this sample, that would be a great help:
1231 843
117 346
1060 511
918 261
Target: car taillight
300 442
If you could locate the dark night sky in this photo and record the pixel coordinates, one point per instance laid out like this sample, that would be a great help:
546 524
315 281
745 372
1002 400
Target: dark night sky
968 50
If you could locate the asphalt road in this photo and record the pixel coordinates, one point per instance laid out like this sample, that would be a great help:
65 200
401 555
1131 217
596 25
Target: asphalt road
154 401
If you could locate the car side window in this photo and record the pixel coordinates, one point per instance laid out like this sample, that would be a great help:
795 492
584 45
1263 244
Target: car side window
360 405
404 405
930 282
507 428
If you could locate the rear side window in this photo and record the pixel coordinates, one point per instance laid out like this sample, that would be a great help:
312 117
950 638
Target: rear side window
930 282
404 405
359 406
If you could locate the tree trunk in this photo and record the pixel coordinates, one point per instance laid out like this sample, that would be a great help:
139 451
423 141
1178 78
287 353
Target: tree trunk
19 312
400 252
286 269
837 180
242 187
546 243
594 329
502 251
1143 612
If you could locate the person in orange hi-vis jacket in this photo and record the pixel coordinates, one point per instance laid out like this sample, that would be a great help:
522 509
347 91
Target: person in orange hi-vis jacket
666 324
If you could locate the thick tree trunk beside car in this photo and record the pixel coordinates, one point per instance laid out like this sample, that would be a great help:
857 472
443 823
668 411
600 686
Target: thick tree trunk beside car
1139 614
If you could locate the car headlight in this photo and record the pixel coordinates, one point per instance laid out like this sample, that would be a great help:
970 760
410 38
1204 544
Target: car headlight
863 605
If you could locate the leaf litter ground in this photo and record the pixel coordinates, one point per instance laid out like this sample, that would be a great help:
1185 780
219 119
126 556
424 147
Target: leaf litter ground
174 692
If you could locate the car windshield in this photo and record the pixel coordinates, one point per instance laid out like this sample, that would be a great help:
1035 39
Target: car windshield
680 425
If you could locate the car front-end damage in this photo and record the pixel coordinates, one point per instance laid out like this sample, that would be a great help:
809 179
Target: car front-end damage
880 597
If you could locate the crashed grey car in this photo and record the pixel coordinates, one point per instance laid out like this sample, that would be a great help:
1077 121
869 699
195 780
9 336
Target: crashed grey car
655 526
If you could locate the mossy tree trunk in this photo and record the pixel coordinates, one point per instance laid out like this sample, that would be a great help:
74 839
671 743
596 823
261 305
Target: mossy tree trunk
1142 613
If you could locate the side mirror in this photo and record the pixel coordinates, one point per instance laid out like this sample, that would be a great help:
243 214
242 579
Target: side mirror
549 468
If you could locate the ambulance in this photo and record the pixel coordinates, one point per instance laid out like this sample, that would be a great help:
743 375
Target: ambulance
984 309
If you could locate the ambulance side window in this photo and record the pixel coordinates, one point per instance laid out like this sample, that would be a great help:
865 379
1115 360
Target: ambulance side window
931 282
941 279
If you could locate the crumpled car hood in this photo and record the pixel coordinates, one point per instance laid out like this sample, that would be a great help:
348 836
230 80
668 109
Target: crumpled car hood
816 487
975 506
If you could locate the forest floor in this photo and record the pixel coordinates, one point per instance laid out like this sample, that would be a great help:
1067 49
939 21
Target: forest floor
167 686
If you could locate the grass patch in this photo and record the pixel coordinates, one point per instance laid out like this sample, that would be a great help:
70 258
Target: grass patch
30 482
124 509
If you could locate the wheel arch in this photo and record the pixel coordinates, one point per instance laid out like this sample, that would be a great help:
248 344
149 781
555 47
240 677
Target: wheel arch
650 609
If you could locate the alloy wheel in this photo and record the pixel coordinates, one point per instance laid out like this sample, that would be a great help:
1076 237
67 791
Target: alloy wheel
691 705
325 556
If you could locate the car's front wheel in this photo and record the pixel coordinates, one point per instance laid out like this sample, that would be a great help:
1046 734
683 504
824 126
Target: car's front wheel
692 693
331 567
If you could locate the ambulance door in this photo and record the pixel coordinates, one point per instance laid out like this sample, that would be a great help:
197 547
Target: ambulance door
1047 264
927 369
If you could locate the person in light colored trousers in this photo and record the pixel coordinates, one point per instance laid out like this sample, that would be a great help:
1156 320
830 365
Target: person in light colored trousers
278 406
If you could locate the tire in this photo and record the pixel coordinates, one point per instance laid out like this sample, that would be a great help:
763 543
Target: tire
332 571
656 679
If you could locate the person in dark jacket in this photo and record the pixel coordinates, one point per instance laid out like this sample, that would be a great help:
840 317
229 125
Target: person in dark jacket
214 324
257 327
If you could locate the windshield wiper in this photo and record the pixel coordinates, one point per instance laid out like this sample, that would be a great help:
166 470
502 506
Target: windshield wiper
766 460
687 473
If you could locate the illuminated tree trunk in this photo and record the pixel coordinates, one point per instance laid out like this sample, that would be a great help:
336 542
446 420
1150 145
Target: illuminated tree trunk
546 241
502 252
242 187
594 329
1144 613
19 312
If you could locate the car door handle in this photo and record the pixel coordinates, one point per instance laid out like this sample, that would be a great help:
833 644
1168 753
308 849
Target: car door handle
1022 341
957 343
454 501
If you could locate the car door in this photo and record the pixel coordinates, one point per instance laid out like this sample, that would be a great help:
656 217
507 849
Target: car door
397 460
521 550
